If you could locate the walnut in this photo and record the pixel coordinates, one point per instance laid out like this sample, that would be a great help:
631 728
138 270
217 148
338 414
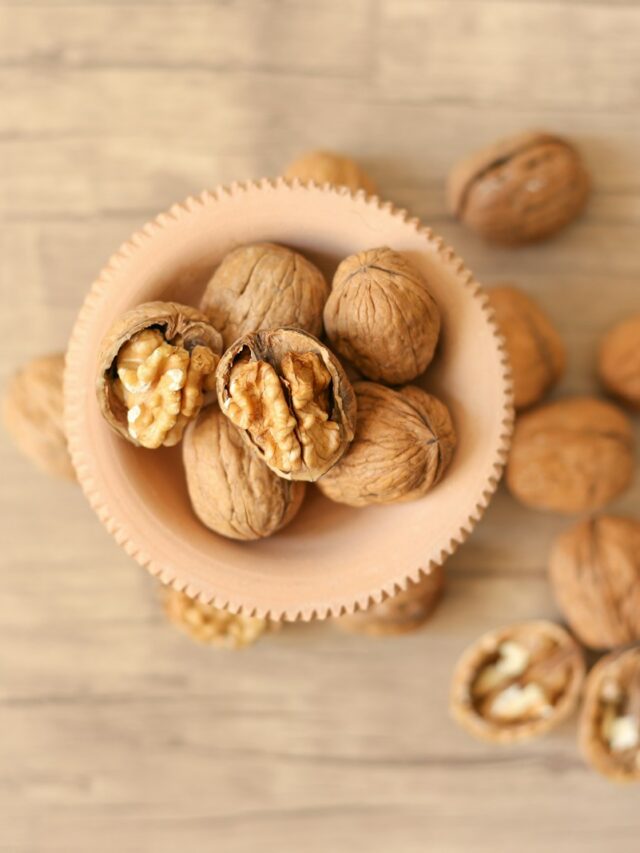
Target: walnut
518 682
32 411
207 624
381 316
571 456
595 574
264 286
535 348
520 189
327 167
403 445
232 491
155 365
290 398
609 725
401 613
619 361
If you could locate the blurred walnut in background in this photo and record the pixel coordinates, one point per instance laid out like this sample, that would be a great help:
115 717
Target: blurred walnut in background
327 167
619 361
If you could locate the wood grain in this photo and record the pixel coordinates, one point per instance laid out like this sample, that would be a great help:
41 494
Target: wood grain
116 733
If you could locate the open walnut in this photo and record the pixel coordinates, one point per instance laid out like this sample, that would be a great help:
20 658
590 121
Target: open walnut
154 367
609 726
519 189
291 399
401 613
619 361
517 682
381 316
535 349
571 456
327 167
595 574
232 491
403 445
264 286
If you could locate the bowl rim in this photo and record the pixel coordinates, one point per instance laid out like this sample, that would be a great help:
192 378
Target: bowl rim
73 401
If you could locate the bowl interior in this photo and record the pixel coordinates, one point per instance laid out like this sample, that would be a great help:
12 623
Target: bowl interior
330 557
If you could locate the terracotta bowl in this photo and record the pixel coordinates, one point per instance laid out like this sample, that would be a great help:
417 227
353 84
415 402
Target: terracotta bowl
332 559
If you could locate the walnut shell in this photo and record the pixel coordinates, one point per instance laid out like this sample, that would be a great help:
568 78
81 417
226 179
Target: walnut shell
231 490
401 613
381 316
179 325
571 456
327 167
595 575
403 445
517 683
290 398
519 189
535 348
32 411
619 361
264 286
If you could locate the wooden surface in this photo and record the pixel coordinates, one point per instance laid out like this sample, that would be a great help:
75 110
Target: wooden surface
115 732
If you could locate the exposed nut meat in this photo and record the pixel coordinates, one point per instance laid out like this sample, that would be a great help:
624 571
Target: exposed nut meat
327 167
291 399
156 364
609 726
518 682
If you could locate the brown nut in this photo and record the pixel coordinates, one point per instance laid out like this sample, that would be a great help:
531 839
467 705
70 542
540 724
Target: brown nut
327 167
535 348
571 456
207 624
619 361
232 491
401 613
609 725
154 366
518 682
264 286
595 575
291 399
403 445
520 189
381 316
32 411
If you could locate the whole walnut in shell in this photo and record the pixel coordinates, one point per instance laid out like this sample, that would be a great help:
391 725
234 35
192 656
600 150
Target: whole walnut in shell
534 347
574 455
519 189
154 367
381 316
33 415
401 613
291 400
327 167
595 575
232 491
619 361
403 445
264 286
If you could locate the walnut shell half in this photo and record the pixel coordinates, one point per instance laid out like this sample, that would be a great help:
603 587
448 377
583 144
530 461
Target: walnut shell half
595 575
232 491
619 361
264 286
291 399
574 455
154 366
327 167
519 189
518 682
403 445
381 316
535 349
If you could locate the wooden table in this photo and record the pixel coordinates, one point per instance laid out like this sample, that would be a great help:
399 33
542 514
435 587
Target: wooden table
118 734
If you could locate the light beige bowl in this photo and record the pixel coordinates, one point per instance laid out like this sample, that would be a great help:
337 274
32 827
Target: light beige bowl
331 559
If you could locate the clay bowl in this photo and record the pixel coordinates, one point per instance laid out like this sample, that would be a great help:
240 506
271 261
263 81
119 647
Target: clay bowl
331 559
